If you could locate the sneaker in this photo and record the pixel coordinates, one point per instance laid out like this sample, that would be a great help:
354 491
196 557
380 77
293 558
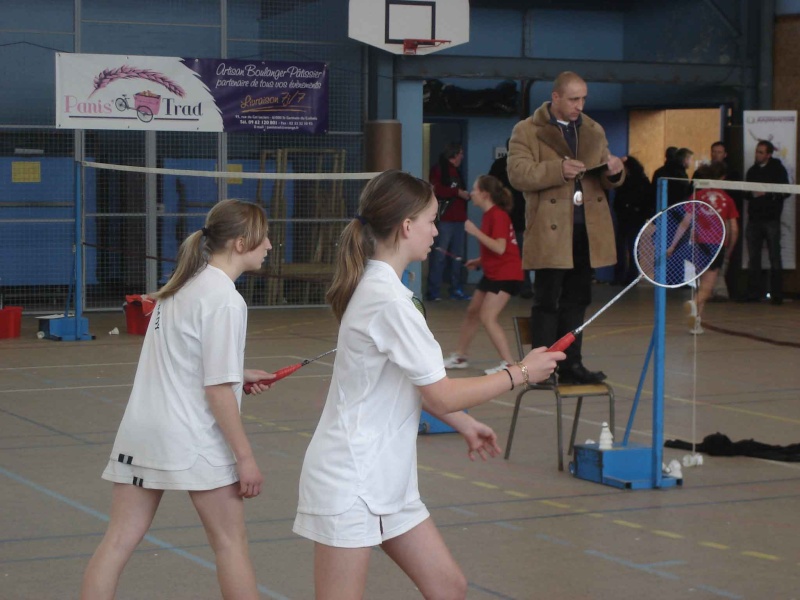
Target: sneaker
497 369
459 295
456 361
690 308
697 327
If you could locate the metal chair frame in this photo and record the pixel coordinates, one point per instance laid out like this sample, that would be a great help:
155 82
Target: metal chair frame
522 333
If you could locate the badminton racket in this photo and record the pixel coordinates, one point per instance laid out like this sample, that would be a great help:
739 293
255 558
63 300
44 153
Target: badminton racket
672 249
286 371
450 254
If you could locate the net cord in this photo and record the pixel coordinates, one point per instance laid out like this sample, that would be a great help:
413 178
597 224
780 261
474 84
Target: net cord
231 174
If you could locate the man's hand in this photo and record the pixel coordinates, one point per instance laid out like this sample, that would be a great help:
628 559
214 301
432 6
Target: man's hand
571 168
615 164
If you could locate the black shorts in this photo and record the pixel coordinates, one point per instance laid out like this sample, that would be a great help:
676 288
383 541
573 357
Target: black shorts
719 260
495 287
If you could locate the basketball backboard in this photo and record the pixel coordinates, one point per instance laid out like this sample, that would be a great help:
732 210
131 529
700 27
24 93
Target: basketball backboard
386 24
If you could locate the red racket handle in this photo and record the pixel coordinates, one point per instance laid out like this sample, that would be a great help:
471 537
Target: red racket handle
279 374
562 344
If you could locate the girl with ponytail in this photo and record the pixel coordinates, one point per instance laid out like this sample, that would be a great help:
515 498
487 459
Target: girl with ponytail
358 486
182 428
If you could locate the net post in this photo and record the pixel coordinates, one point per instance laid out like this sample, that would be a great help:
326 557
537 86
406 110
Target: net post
659 348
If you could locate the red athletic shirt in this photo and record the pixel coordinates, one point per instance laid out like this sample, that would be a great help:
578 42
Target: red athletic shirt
721 202
456 206
497 224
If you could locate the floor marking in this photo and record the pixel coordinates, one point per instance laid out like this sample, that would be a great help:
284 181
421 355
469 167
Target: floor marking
553 503
451 475
516 494
483 484
627 524
667 534
548 538
760 555
304 434
718 592
425 468
105 518
714 545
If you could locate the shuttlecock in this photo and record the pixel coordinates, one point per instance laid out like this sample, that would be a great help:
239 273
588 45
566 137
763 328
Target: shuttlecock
606 438
674 469
114 331
590 441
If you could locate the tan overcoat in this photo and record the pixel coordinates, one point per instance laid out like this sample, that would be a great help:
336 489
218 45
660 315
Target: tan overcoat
536 150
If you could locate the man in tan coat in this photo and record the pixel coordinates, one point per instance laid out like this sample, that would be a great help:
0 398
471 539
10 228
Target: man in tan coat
559 159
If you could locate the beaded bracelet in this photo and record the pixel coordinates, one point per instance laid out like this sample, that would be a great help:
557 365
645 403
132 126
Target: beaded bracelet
524 370
510 376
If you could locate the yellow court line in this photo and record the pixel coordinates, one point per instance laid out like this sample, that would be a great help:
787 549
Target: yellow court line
761 555
556 504
451 475
304 434
668 534
628 524
516 494
483 484
714 545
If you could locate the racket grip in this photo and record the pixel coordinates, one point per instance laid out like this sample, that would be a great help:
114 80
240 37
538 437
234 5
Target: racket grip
562 344
279 374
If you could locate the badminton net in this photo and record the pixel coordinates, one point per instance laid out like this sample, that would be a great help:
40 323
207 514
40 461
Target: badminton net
136 218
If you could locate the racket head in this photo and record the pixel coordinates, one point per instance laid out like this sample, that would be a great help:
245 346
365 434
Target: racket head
701 233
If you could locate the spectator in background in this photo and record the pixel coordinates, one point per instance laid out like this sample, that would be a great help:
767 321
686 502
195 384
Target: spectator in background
448 247
727 275
764 224
633 205
674 168
499 169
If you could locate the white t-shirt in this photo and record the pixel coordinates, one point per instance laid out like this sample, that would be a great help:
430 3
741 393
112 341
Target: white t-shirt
365 443
195 338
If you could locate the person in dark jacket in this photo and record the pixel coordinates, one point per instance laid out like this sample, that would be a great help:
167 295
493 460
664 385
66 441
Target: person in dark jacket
633 205
674 168
449 245
764 224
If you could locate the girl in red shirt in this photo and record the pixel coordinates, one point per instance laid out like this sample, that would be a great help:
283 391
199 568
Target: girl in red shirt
502 268
722 203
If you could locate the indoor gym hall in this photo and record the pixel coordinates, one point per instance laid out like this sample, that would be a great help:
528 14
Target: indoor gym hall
519 528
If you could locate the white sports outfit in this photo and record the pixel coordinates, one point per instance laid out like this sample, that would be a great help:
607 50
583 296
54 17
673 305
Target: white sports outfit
365 443
195 338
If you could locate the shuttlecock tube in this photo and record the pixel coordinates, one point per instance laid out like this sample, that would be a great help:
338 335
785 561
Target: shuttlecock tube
606 438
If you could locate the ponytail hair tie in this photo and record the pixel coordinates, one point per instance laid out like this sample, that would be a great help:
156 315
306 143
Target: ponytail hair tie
361 219
204 231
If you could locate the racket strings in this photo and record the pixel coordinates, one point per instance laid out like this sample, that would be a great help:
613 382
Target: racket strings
677 245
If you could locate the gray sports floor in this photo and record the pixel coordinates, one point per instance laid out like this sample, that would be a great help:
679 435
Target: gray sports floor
519 528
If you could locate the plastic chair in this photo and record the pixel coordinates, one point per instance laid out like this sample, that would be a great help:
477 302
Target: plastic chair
522 332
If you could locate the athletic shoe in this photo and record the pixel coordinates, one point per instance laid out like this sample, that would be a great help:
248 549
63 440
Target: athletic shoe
459 295
497 369
456 361
690 308
697 327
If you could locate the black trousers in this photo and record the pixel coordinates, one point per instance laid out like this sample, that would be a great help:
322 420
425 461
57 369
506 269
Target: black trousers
560 298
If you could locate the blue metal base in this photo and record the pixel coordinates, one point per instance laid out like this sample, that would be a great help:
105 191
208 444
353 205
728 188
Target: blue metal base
430 424
627 467
64 329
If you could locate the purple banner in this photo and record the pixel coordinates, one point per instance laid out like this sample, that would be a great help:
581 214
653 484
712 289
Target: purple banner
266 96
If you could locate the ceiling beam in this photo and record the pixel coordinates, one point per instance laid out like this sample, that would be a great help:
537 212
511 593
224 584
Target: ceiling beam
546 69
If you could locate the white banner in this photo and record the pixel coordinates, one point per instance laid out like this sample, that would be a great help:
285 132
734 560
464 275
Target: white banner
108 91
780 128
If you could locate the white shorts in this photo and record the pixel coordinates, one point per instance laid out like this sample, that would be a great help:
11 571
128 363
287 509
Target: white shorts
201 476
358 527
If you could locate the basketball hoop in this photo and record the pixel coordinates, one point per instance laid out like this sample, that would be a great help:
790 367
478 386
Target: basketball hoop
410 46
